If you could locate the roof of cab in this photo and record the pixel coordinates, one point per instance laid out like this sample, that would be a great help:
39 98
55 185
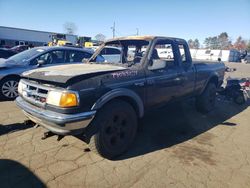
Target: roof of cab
146 37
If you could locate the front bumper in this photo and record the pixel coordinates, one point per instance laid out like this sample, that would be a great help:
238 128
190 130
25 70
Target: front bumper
61 124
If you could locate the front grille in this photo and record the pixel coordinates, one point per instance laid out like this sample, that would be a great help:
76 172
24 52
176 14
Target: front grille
35 93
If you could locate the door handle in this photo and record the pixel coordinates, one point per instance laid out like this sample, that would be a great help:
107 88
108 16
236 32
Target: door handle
178 79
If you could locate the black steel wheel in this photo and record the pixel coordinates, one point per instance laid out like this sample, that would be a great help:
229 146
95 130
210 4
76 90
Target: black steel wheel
117 126
239 98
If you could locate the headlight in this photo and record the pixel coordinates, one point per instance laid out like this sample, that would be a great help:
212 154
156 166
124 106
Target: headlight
21 87
62 99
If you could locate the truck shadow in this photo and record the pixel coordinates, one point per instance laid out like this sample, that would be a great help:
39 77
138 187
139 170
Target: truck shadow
14 174
178 123
6 129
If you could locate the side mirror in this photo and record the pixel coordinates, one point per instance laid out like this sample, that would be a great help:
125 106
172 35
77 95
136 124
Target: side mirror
157 64
40 63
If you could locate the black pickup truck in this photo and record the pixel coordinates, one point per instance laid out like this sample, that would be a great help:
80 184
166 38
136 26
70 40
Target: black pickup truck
102 101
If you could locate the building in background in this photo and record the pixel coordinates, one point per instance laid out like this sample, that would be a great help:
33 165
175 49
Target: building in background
10 37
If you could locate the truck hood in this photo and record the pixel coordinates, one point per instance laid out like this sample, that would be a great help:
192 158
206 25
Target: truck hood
65 73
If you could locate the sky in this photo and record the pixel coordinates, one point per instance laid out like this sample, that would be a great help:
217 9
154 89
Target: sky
188 19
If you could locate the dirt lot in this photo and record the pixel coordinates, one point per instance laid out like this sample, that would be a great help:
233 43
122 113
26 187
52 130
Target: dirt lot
175 147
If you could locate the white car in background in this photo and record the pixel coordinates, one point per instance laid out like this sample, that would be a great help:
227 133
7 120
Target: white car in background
111 54
166 54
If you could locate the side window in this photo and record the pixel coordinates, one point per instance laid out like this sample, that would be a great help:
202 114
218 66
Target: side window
113 51
57 56
110 51
111 54
46 57
53 57
77 56
103 52
162 54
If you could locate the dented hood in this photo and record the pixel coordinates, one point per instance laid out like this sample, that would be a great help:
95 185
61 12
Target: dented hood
64 73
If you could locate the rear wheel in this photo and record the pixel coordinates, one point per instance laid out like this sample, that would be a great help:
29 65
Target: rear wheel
117 126
8 88
206 101
239 98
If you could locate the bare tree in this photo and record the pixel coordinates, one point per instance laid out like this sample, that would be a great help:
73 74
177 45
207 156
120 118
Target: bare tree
224 41
248 46
191 43
70 28
194 43
100 37
221 41
240 44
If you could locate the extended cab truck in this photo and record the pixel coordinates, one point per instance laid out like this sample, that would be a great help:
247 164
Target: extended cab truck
103 101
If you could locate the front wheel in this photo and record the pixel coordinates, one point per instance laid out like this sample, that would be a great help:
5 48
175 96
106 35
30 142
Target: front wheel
8 88
117 126
206 101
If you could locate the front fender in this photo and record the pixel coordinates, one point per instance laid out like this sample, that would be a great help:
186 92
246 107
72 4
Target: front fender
120 92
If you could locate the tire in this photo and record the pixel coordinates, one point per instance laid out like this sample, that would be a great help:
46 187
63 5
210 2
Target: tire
239 98
117 127
206 101
8 88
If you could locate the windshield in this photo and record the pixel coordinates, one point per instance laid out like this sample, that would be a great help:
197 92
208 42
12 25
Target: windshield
25 55
122 51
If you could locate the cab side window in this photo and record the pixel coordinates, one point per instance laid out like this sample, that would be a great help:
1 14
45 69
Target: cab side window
163 53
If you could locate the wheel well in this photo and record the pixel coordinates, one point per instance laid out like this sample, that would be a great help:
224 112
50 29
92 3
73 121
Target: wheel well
11 76
214 80
131 102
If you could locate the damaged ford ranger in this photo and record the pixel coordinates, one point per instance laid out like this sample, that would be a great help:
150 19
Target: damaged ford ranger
103 100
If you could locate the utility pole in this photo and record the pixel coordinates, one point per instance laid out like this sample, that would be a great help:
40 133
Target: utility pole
113 30
137 31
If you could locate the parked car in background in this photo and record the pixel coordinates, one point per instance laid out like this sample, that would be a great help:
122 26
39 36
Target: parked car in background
6 53
243 54
166 54
111 53
20 48
11 68
247 59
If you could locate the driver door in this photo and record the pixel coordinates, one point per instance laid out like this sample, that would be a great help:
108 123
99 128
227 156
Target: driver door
162 81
